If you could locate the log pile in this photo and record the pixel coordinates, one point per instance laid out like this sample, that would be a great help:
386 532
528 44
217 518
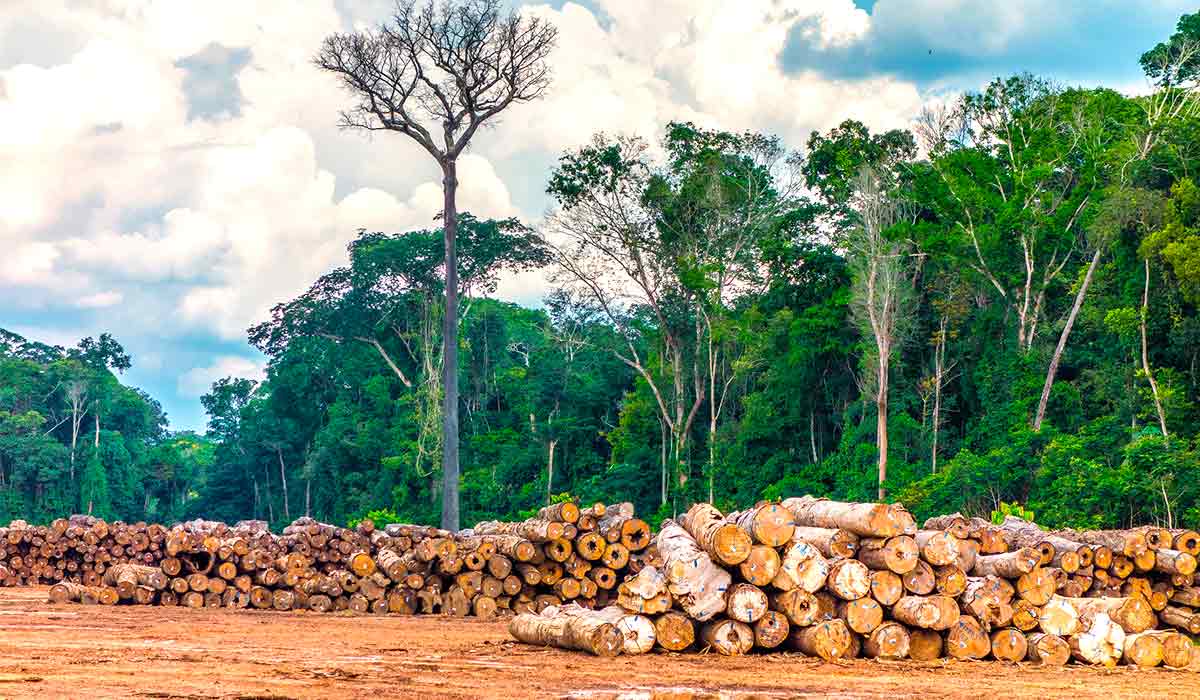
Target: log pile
840 580
564 555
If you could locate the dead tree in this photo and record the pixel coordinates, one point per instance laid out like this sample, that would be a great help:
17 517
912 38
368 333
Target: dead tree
436 72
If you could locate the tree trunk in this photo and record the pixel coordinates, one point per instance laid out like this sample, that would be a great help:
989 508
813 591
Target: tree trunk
1162 417
1062 342
283 479
550 470
881 407
450 352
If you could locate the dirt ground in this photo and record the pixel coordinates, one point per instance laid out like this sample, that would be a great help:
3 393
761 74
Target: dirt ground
74 651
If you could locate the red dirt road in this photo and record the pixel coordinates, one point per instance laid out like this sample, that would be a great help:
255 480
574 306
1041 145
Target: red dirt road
131 652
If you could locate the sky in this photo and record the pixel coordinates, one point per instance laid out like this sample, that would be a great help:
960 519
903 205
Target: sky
171 169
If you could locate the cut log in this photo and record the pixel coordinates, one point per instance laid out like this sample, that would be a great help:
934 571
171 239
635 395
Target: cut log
830 542
950 580
1025 615
1177 648
746 602
954 523
762 566
926 612
771 630
921 580
564 512
924 645
1143 649
1037 586
801 566
723 540
889 640
674 631
1007 565
887 587
1009 644
1059 617
899 554
727 637
1102 643
966 639
588 634
938 547
697 585
770 523
799 606
863 519
1173 561
1187 541
862 615
1133 614
1185 619
848 579
829 640
1047 649
637 631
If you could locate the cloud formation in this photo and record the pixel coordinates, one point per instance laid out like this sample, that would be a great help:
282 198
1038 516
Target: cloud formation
172 170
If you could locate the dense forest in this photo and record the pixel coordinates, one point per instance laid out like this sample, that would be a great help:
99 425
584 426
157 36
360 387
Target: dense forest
996 307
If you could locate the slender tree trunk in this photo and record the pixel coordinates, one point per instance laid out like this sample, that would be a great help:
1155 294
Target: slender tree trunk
1062 342
881 406
96 441
450 352
550 470
812 433
283 479
308 497
1162 417
662 427
939 368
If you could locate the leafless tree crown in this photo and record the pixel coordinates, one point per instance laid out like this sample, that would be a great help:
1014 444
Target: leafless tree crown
443 67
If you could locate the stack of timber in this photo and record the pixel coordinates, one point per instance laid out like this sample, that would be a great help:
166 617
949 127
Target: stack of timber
566 554
840 580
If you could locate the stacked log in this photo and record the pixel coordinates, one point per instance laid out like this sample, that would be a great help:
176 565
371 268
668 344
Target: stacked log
861 579
493 569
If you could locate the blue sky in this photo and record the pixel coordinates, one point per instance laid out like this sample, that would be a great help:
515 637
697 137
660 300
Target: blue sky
174 206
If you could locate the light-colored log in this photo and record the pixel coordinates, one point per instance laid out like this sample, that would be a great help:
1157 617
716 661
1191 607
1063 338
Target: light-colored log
696 583
727 637
863 519
723 540
588 634
769 523
1047 649
848 579
746 602
801 566
889 640
830 542
1102 643
830 640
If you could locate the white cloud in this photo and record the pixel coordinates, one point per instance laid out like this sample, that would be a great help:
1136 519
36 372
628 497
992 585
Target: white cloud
100 300
197 381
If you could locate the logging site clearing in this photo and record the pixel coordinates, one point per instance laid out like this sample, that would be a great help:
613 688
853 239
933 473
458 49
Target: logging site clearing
61 651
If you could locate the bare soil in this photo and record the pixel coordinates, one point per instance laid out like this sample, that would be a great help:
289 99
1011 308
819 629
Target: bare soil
72 651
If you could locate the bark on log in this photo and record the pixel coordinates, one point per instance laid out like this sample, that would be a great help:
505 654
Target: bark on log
864 519
588 634
1102 643
696 584
829 640
899 554
830 542
1007 565
725 541
770 524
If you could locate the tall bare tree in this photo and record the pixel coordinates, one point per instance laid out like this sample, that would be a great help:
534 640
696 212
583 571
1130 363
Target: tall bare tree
881 290
435 73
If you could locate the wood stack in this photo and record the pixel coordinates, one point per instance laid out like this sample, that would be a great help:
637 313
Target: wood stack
566 554
839 580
